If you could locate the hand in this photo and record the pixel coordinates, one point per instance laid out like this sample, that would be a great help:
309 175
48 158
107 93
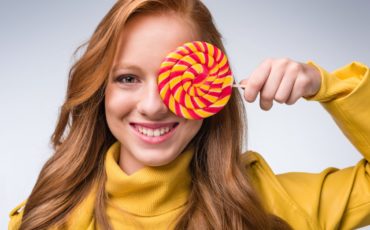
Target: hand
282 80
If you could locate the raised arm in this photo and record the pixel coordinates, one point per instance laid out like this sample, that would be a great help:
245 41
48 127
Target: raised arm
339 199
332 199
345 94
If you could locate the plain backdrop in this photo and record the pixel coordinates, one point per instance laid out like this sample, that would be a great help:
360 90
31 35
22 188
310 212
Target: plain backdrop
38 38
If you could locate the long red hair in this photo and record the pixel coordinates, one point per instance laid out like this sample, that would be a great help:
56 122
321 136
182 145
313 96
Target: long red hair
221 195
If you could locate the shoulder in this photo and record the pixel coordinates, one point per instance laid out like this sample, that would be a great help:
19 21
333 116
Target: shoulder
279 187
273 194
80 218
261 175
256 165
16 215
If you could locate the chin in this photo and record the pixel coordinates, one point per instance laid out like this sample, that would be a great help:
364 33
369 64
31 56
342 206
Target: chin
158 159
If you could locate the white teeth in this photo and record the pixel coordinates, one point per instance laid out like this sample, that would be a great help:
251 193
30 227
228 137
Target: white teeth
153 132
150 132
157 132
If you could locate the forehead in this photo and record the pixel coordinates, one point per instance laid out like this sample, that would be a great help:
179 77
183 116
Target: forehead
152 36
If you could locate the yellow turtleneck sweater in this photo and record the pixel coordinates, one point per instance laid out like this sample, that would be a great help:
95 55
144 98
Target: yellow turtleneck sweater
152 196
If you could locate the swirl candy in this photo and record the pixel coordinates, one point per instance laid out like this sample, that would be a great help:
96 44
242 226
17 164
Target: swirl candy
195 81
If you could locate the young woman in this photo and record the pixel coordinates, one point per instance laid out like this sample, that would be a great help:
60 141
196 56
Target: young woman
123 161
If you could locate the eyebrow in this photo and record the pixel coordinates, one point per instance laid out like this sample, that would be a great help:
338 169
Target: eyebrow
125 66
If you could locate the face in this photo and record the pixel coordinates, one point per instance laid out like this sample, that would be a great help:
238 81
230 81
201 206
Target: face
149 133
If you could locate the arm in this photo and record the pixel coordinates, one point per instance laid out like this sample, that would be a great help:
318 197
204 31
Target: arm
339 199
345 94
332 199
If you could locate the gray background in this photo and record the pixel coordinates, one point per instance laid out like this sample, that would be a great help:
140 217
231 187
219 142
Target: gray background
37 39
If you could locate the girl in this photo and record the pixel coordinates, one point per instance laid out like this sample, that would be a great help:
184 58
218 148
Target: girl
123 161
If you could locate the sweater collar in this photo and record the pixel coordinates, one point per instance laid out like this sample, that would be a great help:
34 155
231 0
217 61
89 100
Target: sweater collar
151 190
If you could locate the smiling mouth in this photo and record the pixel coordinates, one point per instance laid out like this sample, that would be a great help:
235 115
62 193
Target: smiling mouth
154 130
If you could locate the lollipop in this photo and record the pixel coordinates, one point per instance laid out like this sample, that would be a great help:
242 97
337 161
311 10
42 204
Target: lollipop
195 81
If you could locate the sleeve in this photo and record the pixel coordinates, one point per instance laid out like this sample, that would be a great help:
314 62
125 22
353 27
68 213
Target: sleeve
345 94
339 199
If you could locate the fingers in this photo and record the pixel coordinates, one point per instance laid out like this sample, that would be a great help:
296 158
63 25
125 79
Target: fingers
256 81
271 86
284 93
285 88
301 85
282 80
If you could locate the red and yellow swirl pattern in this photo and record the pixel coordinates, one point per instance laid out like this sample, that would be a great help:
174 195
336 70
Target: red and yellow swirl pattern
195 81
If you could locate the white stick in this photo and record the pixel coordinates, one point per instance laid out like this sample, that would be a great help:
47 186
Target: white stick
239 85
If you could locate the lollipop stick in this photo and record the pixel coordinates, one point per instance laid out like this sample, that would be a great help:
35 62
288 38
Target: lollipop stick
239 85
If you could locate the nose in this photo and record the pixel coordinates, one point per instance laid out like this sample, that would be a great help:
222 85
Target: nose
151 104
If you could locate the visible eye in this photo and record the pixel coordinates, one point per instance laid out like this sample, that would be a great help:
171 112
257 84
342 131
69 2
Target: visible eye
126 79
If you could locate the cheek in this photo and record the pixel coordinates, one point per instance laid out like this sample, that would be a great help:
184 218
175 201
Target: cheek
117 104
193 128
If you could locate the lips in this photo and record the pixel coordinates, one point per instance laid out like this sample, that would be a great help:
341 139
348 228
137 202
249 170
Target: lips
155 125
154 133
